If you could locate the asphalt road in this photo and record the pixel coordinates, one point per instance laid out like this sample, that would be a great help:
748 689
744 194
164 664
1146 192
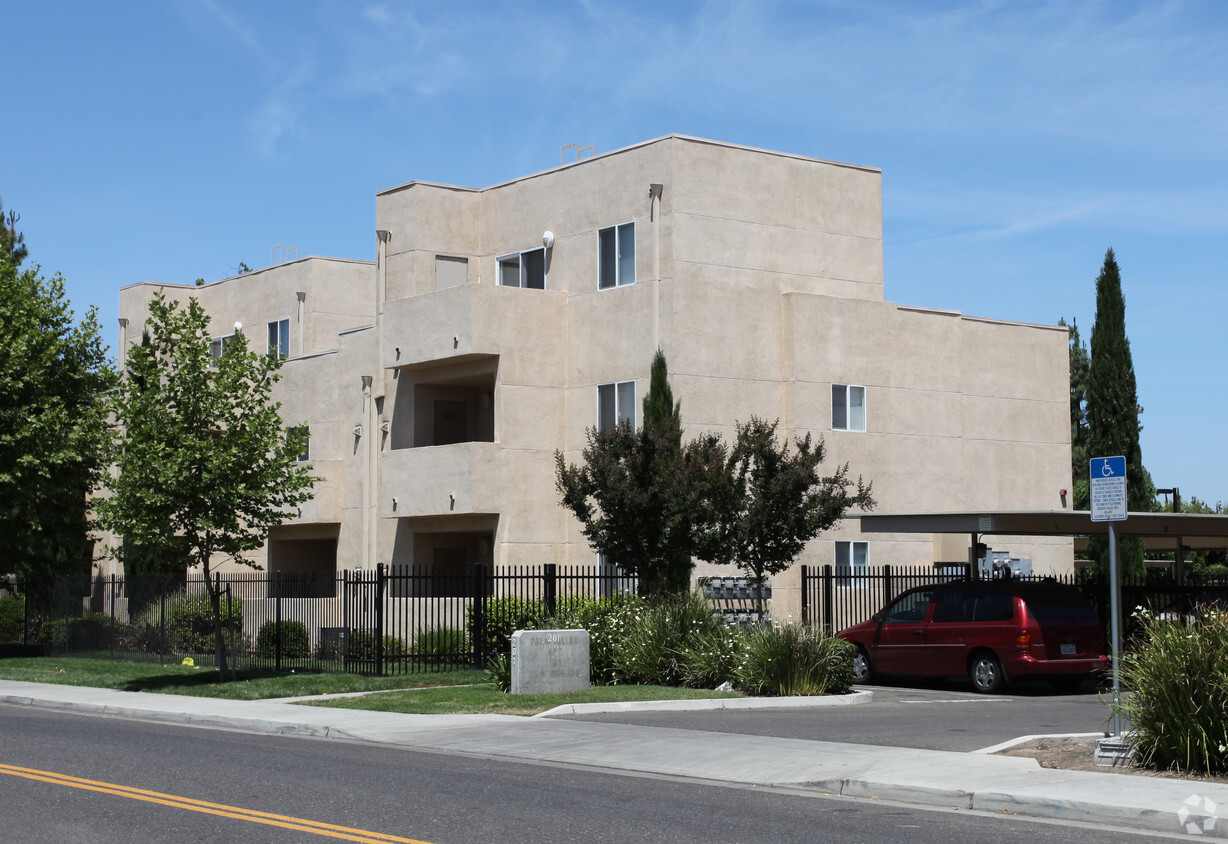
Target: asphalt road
931 716
133 782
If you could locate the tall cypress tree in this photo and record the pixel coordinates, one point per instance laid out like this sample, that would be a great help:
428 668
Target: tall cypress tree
1113 410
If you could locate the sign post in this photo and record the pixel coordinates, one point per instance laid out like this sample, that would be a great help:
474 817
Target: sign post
1108 494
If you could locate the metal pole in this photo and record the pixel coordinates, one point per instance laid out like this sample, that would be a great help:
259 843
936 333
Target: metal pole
1115 626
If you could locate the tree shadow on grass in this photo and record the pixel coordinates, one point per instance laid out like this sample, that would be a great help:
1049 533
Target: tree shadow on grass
206 677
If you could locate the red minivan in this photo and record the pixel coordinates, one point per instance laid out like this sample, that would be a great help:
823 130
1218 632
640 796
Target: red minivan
989 631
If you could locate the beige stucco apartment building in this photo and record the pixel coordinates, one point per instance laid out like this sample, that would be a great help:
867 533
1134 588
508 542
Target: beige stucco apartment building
495 325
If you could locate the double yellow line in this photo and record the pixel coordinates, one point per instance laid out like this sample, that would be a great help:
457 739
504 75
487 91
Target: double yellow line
344 833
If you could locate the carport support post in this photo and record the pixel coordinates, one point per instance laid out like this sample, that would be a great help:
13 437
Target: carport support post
1115 626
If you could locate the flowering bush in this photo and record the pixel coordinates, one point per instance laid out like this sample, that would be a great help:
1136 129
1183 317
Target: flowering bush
1178 673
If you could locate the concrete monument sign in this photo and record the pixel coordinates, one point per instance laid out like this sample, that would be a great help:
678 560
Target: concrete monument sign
546 661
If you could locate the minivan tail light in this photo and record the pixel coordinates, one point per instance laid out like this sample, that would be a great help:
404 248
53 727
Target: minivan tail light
1022 641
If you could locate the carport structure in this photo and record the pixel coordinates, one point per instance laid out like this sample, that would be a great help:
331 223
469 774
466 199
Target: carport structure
1161 532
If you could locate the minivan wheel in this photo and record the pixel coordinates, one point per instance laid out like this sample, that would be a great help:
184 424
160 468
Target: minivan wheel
863 671
986 673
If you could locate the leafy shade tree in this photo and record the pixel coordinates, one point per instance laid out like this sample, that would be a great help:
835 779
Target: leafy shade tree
1113 412
636 492
771 500
54 434
12 242
206 467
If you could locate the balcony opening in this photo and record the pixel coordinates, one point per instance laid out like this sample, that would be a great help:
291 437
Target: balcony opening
435 556
304 559
443 404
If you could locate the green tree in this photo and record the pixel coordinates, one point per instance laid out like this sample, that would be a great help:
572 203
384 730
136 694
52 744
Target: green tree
1113 411
206 467
772 500
54 435
636 493
12 242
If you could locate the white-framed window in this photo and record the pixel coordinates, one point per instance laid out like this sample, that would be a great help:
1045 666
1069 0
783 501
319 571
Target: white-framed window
615 405
616 256
219 344
523 269
848 407
852 562
305 454
279 337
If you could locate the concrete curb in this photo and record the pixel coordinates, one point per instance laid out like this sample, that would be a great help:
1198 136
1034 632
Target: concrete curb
708 704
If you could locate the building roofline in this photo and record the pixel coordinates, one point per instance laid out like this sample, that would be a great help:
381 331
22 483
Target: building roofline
640 145
179 285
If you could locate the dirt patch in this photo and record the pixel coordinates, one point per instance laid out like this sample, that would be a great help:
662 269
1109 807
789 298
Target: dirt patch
1078 754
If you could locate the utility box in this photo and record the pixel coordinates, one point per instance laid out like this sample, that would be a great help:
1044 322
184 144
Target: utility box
549 661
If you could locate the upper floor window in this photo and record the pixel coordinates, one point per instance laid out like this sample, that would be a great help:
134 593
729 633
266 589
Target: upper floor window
615 405
279 338
524 269
848 407
219 344
616 247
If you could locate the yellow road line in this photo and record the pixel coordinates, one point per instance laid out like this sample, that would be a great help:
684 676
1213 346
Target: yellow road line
220 809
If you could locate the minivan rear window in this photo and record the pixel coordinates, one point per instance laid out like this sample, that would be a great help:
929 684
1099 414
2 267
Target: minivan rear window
1059 605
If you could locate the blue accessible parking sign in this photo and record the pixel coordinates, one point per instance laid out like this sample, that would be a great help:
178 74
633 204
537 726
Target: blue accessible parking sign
1108 489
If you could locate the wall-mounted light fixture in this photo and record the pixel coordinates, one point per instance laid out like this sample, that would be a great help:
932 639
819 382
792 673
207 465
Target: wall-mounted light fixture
358 430
548 239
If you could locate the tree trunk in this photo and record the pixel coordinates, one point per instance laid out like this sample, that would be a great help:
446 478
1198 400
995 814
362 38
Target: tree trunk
215 603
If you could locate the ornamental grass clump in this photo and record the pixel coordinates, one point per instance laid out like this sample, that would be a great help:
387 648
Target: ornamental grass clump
1178 709
796 659
655 639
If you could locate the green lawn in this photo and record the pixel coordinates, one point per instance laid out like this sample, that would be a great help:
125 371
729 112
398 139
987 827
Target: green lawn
456 692
486 699
253 684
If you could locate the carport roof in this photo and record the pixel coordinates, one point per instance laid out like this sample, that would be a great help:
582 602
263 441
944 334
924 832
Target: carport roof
1160 530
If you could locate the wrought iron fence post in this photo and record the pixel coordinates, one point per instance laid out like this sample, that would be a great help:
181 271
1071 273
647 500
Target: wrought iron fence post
805 594
345 621
551 584
479 615
112 636
162 620
888 592
277 621
67 600
379 619
829 599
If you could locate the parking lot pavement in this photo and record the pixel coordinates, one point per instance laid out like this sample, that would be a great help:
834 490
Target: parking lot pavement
928 716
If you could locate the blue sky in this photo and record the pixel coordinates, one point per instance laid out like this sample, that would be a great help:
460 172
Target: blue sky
173 140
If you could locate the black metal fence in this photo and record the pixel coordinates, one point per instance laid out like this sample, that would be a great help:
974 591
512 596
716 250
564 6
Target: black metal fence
387 621
835 600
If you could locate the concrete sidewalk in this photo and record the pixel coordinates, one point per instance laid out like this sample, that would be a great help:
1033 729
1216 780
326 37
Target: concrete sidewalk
928 777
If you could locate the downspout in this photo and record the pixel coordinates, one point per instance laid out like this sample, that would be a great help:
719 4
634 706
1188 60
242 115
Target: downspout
376 426
365 428
654 216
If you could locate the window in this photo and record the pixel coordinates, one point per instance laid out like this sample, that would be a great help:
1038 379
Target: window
524 269
616 248
615 405
910 608
279 338
848 407
219 344
305 433
852 562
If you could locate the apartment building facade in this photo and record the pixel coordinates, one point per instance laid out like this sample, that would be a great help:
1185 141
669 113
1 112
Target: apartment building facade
496 325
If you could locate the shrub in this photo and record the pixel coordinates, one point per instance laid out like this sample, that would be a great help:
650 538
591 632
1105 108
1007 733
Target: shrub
604 619
295 642
712 657
499 671
91 631
189 622
652 644
441 645
796 659
1179 707
362 645
12 618
504 616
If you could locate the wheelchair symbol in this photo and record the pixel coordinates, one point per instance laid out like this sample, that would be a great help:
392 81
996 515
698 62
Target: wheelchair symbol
1106 469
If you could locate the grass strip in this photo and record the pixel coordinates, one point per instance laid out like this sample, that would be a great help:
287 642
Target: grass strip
485 699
